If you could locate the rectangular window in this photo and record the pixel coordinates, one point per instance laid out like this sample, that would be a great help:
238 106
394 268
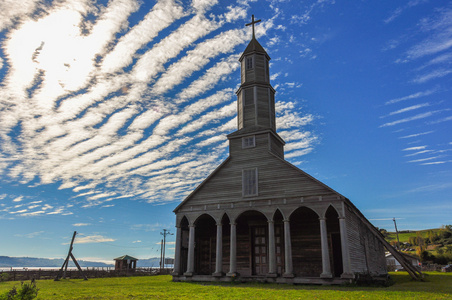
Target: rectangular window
249 96
248 142
249 182
249 63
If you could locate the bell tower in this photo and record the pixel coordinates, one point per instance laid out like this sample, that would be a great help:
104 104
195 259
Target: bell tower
256 97
256 103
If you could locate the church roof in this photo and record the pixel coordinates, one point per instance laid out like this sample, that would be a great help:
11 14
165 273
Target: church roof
254 47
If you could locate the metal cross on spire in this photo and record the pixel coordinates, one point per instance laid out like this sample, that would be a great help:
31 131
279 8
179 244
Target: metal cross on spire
252 23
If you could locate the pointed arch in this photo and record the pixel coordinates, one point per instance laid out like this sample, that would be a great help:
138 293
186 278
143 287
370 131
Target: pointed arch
306 243
334 238
205 241
252 243
184 223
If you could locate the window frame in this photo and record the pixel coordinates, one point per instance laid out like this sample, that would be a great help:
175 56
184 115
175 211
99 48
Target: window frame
246 144
249 63
247 182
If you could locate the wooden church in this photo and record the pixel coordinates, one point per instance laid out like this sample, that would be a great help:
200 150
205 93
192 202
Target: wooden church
258 217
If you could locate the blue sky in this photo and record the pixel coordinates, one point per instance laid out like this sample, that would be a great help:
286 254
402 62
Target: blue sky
111 112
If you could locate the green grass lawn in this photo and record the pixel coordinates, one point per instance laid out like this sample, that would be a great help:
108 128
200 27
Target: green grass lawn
436 286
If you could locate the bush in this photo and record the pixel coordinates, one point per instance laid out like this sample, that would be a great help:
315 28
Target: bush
4 277
26 292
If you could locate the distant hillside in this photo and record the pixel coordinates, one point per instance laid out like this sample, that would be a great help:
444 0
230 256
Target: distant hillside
33 262
431 245
30 262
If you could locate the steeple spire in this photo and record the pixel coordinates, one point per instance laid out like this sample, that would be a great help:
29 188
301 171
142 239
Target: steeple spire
252 23
256 117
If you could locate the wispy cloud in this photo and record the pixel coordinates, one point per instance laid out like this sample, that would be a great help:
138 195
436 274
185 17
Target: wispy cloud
432 75
398 11
412 96
412 118
81 224
31 234
415 148
407 109
416 134
90 239
113 110
440 37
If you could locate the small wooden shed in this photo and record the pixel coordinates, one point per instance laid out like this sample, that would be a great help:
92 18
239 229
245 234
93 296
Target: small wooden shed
125 263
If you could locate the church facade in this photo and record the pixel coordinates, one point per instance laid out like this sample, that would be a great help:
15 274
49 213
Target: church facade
258 217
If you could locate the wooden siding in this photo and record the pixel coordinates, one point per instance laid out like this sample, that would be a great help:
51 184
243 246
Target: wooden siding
366 251
306 246
259 66
355 243
242 71
276 147
249 113
240 110
276 179
272 108
263 110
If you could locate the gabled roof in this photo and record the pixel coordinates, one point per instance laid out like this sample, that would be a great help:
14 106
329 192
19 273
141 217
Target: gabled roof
309 176
126 257
202 184
254 47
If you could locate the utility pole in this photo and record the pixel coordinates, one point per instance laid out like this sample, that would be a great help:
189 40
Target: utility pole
164 233
161 255
397 233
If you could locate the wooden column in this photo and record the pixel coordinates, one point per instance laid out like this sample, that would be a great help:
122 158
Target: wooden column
219 252
288 268
326 268
177 270
347 273
271 249
233 252
191 251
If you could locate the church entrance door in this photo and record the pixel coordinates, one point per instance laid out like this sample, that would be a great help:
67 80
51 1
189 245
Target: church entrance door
259 257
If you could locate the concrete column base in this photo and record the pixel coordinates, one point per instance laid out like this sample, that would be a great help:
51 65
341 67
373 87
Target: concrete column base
271 275
234 274
347 276
326 275
188 274
220 274
288 275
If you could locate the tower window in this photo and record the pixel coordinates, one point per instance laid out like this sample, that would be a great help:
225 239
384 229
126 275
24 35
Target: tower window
249 182
248 142
249 63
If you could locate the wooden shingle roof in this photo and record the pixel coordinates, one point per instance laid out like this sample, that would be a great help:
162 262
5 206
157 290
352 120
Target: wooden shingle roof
126 257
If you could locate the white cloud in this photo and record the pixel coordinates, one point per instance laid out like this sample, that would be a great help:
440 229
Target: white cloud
412 96
89 239
31 234
415 148
102 107
416 134
81 224
432 75
18 199
416 117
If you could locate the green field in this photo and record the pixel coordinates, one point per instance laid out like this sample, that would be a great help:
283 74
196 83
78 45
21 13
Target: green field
436 286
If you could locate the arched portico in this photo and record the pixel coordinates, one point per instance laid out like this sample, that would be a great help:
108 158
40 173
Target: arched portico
306 242
334 241
252 244
205 245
